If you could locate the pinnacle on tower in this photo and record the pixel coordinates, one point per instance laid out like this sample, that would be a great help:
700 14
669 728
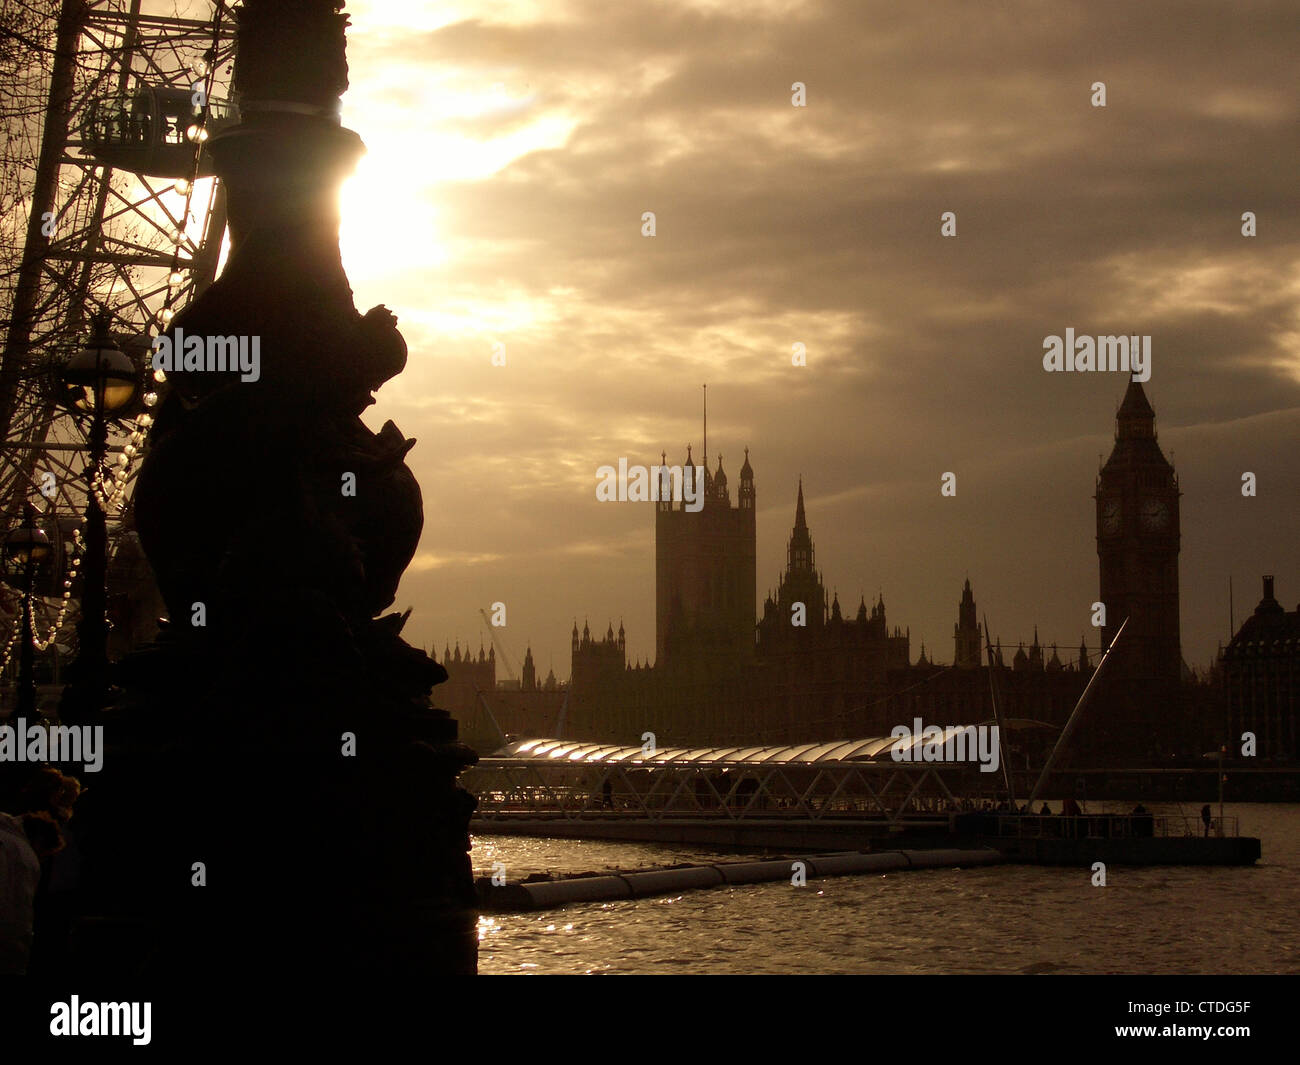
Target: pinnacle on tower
720 482
1136 417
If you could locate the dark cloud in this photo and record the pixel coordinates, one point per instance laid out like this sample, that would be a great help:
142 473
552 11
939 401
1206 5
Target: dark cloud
821 225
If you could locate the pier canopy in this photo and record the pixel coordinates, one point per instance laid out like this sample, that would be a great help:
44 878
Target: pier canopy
551 785
870 749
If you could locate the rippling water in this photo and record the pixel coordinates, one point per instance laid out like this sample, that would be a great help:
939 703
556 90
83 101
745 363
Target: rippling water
1003 919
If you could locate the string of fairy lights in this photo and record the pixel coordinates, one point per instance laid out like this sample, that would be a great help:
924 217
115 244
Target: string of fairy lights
110 491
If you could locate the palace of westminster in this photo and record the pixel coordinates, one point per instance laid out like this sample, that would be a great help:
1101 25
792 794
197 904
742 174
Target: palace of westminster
720 679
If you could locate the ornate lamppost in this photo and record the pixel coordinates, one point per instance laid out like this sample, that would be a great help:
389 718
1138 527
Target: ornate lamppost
101 380
295 636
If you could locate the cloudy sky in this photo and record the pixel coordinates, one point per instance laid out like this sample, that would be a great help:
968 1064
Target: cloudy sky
514 147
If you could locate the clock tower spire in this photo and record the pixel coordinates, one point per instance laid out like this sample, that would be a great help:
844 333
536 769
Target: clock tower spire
1137 550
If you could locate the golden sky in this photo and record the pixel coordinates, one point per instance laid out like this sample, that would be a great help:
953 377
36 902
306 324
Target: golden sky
514 147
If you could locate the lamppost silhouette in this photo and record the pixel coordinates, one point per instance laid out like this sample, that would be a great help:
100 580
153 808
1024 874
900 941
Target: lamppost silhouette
101 379
27 546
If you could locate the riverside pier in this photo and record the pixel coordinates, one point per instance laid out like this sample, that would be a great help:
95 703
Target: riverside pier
832 796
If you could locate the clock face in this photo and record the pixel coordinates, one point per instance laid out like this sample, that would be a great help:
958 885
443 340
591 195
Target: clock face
1154 515
1110 516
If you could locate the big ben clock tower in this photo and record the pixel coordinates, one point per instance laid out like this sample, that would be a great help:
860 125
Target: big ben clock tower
1137 548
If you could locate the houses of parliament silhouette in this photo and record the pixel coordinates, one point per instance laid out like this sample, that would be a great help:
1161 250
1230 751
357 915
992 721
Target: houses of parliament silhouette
806 671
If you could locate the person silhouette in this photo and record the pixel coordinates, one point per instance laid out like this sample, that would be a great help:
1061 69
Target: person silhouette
20 873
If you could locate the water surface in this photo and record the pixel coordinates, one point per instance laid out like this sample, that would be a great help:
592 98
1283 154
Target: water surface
1002 919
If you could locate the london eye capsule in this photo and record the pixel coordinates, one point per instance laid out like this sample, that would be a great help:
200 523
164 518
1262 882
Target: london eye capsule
153 131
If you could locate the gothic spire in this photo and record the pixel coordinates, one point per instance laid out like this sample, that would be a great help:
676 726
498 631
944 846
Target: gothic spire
799 553
1136 416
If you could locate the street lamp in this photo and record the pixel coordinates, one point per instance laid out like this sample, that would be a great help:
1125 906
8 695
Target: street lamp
28 546
106 376
101 379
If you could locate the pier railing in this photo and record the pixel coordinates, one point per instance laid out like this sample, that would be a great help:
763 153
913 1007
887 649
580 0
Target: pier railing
510 789
897 795
1098 826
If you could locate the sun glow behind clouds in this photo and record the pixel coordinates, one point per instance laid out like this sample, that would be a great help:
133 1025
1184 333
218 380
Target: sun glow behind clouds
389 223
408 16
424 126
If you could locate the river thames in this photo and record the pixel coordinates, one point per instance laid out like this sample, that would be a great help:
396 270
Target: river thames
999 919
